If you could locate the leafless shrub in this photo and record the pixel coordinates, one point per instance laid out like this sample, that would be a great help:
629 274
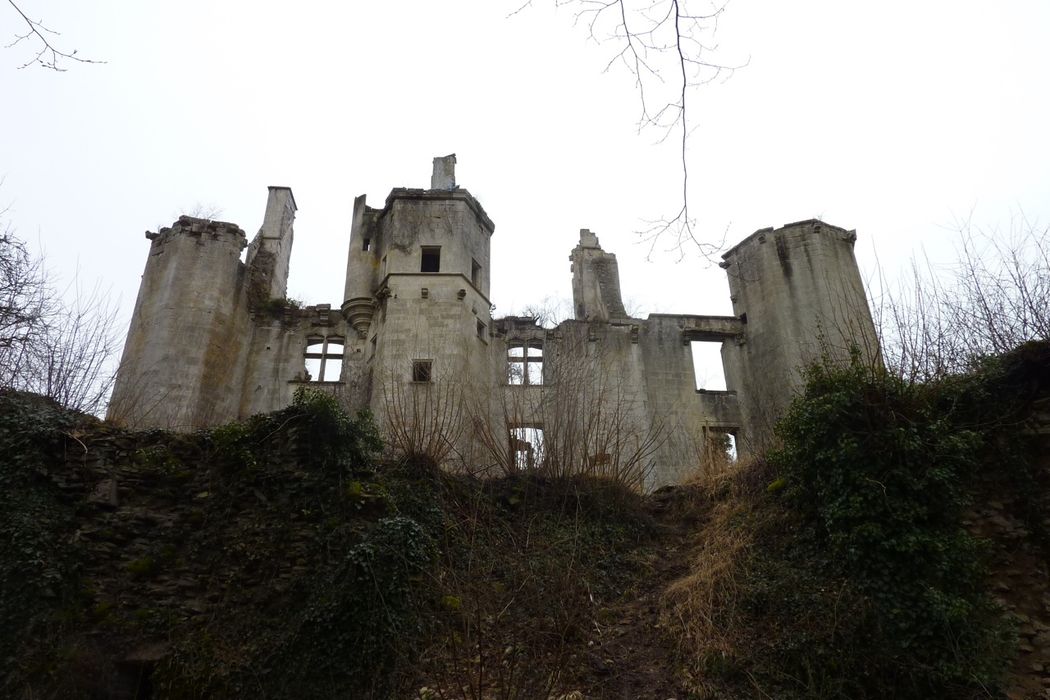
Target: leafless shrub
54 344
423 419
591 424
26 304
72 364
995 297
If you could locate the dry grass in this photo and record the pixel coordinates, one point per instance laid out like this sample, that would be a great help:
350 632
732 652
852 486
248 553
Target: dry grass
700 608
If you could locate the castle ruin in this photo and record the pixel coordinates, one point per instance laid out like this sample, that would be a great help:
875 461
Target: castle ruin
214 339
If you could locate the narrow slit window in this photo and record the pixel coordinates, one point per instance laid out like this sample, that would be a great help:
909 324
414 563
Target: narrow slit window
481 329
422 371
475 273
430 260
367 245
324 358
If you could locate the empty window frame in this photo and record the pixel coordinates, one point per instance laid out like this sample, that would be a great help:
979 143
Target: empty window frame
475 273
525 362
324 358
422 371
367 245
708 370
721 448
526 447
430 259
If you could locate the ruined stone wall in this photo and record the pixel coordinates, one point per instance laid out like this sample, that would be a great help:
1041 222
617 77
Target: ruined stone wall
270 253
689 418
276 358
595 281
213 340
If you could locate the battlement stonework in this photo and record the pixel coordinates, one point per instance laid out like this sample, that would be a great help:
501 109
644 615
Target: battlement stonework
213 339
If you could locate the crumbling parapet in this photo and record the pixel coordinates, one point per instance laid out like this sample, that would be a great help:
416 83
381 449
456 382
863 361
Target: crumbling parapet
595 281
444 175
269 255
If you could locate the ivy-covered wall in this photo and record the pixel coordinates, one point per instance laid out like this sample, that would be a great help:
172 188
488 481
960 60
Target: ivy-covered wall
260 554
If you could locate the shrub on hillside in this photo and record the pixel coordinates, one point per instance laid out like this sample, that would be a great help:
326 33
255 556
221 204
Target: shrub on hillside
880 473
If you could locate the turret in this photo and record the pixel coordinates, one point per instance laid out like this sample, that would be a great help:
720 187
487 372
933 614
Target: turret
362 266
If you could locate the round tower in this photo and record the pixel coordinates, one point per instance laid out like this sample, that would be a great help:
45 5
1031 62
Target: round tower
186 340
799 292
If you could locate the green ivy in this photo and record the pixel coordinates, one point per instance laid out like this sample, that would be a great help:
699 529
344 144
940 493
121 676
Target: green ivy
881 474
37 570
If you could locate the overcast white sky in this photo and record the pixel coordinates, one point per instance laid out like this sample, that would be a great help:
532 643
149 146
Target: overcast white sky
895 118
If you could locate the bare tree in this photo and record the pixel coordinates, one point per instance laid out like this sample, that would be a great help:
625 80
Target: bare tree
25 306
42 39
996 297
580 418
668 46
60 349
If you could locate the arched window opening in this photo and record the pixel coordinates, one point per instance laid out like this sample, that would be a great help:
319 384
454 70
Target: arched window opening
324 358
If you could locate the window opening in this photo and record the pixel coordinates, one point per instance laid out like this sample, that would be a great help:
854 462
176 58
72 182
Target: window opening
431 259
525 362
421 370
708 370
721 449
324 358
367 245
526 447
372 352
481 329
475 273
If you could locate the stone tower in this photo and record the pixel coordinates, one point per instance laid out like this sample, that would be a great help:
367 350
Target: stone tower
417 290
187 348
185 334
799 294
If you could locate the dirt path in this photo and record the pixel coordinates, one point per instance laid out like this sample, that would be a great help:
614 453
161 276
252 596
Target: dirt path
631 656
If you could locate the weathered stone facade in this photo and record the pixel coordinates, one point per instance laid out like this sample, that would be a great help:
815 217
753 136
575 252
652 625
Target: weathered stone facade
213 339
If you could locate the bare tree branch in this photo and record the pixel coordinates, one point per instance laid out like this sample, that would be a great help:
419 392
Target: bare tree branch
56 348
47 55
665 44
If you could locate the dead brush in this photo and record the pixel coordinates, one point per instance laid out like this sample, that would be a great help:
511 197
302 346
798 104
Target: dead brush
700 608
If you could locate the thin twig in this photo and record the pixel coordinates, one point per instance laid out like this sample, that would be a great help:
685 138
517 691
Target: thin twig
47 56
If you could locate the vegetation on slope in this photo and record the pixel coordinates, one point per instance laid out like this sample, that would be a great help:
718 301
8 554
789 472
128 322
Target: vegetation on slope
843 567
280 557
283 557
